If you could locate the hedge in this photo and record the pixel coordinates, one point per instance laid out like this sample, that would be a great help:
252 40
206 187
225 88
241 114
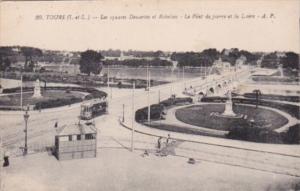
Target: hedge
292 136
180 129
176 101
17 90
274 79
274 97
155 113
156 110
255 134
56 103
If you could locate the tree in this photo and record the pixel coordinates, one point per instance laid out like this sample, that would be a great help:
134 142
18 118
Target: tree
90 62
29 53
1 63
42 69
7 64
119 84
291 60
4 64
257 95
30 67
105 78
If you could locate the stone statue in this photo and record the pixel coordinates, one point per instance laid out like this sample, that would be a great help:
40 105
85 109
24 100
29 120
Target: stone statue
37 89
228 105
229 95
280 70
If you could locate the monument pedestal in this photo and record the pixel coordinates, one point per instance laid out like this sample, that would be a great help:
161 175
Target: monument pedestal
228 112
228 109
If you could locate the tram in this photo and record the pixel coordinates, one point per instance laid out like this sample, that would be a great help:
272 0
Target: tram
93 108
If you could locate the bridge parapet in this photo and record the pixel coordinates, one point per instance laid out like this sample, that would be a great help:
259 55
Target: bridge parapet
216 83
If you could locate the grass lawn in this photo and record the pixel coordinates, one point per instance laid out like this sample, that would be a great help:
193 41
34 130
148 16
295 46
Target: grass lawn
200 116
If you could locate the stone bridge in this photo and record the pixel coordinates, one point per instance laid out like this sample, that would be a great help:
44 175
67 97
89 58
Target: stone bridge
216 85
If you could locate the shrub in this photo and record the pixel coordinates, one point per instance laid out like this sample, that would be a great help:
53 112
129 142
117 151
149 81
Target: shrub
255 134
155 113
56 103
176 101
16 90
292 136
274 97
156 110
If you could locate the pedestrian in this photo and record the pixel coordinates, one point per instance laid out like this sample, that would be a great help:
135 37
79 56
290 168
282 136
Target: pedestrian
159 142
169 137
6 159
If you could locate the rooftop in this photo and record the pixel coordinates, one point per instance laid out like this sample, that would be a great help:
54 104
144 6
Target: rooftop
76 129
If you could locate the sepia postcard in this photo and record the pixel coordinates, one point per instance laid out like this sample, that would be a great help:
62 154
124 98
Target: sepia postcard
155 95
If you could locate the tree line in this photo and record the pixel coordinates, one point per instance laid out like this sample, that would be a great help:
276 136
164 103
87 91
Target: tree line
92 61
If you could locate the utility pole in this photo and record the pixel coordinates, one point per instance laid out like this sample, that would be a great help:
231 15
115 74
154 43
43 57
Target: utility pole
183 73
147 75
1 165
149 108
108 82
183 77
110 92
123 118
1 159
158 96
21 100
26 117
133 116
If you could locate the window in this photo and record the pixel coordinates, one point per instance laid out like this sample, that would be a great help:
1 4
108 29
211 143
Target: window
89 136
70 137
78 137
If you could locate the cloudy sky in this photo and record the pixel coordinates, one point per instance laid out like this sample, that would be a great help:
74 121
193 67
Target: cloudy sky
19 26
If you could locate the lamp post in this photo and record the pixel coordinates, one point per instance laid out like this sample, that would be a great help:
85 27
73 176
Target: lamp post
123 118
133 118
26 117
109 88
21 100
183 77
182 73
148 95
158 96
252 123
